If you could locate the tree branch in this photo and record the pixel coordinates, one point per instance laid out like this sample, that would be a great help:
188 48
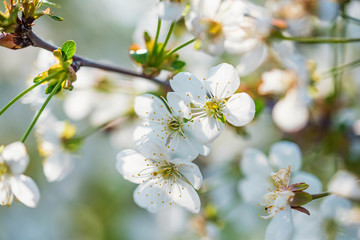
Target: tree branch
83 62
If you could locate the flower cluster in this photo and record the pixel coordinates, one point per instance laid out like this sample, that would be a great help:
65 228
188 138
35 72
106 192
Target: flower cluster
185 124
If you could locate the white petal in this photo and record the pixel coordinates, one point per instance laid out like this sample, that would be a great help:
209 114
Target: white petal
333 206
200 148
250 61
255 163
6 196
153 131
240 109
192 173
79 104
170 10
25 190
16 157
151 195
315 186
249 192
290 113
178 105
182 147
207 129
275 81
189 87
151 107
281 226
185 196
223 80
345 184
207 8
284 153
58 166
131 166
153 151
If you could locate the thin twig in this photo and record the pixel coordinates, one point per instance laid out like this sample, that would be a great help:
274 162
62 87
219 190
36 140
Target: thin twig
83 62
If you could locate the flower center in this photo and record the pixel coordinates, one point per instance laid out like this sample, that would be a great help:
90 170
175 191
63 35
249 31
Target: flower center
68 141
214 29
4 169
214 107
168 171
104 85
277 201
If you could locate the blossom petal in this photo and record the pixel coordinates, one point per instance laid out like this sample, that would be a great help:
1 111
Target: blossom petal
284 153
151 195
178 105
182 147
58 166
168 10
251 60
240 109
290 113
189 87
192 173
334 206
184 195
251 194
153 131
345 184
281 226
25 189
315 185
153 151
207 129
255 163
6 196
223 80
78 105
150 107
200 148
131 165
16 157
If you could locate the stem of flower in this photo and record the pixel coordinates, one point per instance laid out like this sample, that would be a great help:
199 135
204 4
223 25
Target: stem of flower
355 20
26 91
320 40
176 49
154 48
38 42
320 195
167 38
26 134
93 130
342 68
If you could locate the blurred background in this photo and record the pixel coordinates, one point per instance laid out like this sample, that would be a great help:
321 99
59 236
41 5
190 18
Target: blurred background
94 201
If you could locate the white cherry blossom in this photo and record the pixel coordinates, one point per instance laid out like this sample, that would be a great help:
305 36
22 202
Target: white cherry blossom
163 180
13 162
167 122
54 144
257 168
213 101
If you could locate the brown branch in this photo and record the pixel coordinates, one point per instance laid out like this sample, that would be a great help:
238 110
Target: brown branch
83 62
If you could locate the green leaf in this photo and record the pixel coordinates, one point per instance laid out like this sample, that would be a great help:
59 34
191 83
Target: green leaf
301 198
139 56
56 18
178 65
68 49
299 186
50 4
259 106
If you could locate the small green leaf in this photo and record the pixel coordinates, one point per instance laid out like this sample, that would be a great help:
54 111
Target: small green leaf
139 56
50 87
301 198
50 4
68 49
299 186
178 65
301 209
56 18
259 106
